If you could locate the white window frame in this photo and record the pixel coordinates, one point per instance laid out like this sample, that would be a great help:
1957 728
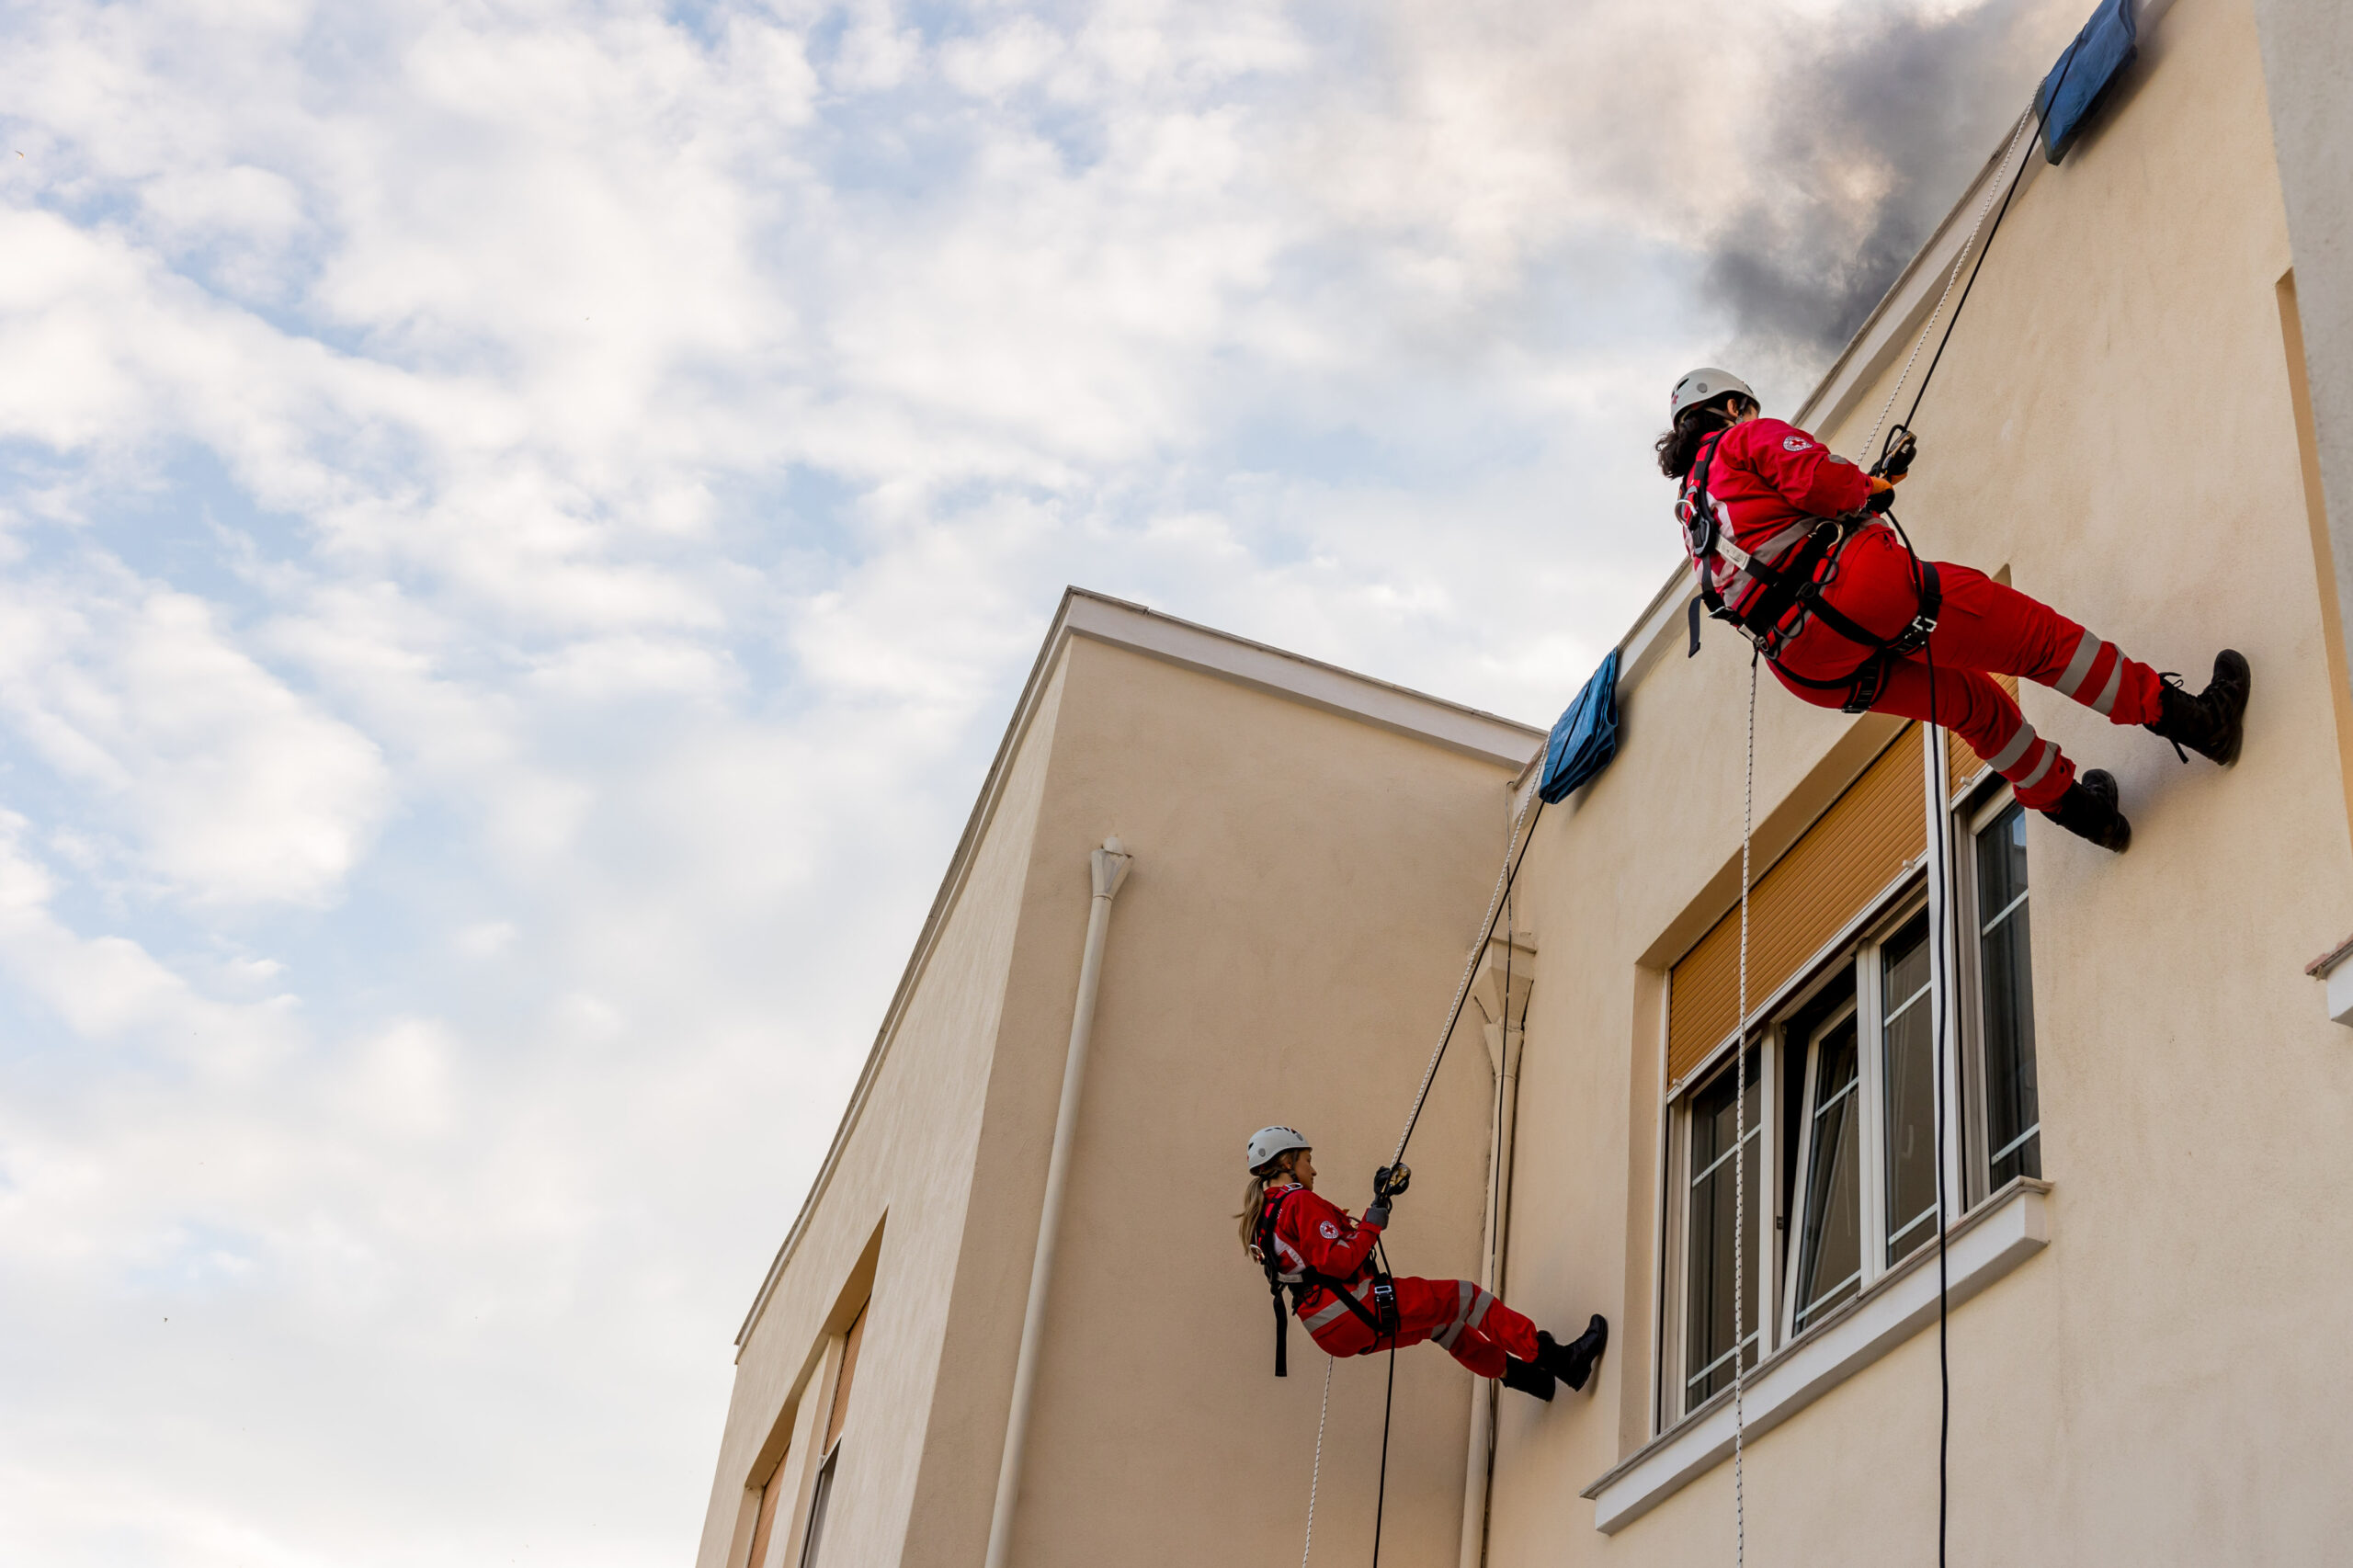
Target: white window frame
1866 960
1762 1281
1974 811
1809 1119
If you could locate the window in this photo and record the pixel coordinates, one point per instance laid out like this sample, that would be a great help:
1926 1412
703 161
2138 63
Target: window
2013 1119
1855 1190
1842 1157
1866 1136
1713 1230
822 1495
1908 1072
1830 1257
772 1491
817 1501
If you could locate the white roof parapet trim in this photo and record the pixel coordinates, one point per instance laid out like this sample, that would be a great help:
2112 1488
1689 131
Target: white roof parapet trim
1505 742
1121 623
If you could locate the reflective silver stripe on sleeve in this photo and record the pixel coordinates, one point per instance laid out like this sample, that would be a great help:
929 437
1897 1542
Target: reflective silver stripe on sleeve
2078 667
2050 755
2009 755
1479 1304
2106 703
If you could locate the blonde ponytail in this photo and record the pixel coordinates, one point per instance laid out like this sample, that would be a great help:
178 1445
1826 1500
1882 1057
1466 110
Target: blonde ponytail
1254 1195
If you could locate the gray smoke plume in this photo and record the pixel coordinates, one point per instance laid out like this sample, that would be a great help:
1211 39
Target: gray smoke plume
1910 107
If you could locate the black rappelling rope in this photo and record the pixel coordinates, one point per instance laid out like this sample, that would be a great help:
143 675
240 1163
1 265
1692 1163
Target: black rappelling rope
1388 1402
1944 867
2043 115
1462 992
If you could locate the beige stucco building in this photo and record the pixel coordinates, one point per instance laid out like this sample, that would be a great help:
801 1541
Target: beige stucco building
1209 884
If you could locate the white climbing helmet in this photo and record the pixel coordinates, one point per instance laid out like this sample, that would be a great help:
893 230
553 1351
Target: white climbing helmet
1268 1142
1701 385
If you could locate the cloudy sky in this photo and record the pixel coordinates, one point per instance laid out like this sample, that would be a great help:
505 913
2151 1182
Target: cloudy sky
520 524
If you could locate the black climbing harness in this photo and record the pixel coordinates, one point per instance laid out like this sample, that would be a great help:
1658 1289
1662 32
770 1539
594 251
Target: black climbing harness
1788 572
1380 1315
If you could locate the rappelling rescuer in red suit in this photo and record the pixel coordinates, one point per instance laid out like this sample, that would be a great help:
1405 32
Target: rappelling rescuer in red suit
1782 534
1314 1248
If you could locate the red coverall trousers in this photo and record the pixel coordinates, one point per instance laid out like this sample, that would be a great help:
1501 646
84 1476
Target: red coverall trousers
1474 1327
1983 626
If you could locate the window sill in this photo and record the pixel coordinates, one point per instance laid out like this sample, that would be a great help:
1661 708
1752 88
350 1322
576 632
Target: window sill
2335 967
2001 1235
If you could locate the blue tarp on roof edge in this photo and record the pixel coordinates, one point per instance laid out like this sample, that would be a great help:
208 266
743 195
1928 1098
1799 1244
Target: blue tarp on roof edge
1586 739
2091 64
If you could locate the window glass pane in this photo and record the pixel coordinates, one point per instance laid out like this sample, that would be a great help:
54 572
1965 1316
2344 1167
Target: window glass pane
1830 1261
1708 1362
1909 1063
818 1500
2013 1118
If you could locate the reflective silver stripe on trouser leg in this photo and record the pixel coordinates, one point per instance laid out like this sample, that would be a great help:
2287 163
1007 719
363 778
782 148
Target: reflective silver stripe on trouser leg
2007 758
2050 755
2080 666
1464 1292
1331 1311
2106 703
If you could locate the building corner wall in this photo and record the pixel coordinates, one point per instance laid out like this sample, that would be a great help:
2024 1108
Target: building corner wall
906 1153
2307 64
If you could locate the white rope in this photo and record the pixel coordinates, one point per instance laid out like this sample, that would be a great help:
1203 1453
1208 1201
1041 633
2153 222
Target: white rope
1740 1162
1316 1477
1470 972
1968 247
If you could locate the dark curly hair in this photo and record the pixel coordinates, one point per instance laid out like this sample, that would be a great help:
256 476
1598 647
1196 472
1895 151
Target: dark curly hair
1679 448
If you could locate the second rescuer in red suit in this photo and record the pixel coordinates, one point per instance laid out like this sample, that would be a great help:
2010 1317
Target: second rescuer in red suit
1310 1234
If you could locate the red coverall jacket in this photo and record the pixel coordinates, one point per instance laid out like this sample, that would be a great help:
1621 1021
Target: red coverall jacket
1771 482
1312 1233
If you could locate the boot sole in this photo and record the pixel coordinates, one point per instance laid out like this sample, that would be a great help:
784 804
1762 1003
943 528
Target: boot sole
1585 1373
2245 672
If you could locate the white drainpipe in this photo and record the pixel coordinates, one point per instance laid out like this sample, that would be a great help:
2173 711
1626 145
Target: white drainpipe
1111 867
1506 1046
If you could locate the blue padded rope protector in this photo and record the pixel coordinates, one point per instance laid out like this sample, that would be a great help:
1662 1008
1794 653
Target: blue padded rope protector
2072 91
1586 739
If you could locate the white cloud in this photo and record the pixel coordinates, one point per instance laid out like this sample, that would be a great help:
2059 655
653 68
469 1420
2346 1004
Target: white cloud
230 785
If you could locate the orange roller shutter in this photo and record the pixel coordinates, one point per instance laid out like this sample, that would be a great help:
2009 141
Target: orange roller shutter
1829 876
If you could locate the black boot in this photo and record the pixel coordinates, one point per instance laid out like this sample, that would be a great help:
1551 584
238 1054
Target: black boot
2089 810
1527 1379
2212 723
1573 1362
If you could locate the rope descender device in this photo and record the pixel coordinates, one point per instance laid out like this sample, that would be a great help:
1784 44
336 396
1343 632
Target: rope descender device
1895 456
1391 1181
